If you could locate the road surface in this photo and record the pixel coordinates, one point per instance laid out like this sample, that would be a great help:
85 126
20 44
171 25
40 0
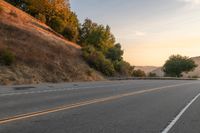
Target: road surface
135 106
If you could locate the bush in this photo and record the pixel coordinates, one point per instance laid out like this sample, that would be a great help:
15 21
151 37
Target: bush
57 24
138 73
123 68
70 33
41 17
152 74
195 76
89 72
97 60
7 57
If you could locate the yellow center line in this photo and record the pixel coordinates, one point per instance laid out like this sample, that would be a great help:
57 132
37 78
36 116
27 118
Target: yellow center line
80 104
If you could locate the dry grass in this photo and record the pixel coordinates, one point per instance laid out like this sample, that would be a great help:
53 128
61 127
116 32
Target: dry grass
14 14
1 9
41 54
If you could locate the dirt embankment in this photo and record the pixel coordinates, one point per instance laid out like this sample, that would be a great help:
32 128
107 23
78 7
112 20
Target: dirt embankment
41 55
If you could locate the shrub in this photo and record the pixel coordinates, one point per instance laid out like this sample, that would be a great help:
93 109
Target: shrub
69 34
97 60
195 76
89 72
7 57
152 74
138 73
123 68
57 24
41 17
14 14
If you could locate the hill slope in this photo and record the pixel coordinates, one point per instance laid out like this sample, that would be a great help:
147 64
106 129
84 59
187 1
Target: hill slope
195 73
146 69
41 54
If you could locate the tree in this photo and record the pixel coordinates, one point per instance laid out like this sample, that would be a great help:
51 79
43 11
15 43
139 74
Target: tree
123 68
152 74
138 73
115 53
177 64
57 24
97 60
55 13
96 35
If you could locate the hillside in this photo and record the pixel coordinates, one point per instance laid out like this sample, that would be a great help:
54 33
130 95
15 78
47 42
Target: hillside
195 73
41 55
146 69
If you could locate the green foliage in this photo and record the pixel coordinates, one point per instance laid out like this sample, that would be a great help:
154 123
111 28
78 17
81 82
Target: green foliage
138 73
123 68
99 49
115 53
96 35
41 17
15 2
152 74
57 24
97 60
55 13
195 77
104 54
178 64
71 30
7 57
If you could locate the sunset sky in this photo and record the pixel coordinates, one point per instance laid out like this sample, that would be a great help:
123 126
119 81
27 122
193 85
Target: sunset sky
149 30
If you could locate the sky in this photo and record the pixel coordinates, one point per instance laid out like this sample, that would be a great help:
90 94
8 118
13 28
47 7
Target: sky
148 30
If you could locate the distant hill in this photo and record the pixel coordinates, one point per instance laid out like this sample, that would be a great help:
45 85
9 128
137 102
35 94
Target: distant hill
146 69
41 54
195 73
158 72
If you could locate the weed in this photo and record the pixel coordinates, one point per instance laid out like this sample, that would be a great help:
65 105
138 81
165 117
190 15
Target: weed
7 57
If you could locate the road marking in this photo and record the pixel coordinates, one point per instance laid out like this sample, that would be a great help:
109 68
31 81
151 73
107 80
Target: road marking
62 89
80 104
169 127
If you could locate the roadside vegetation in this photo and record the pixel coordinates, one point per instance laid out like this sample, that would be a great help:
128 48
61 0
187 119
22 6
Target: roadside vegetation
177 64
138 73
6 57
151 74
55 13
100 50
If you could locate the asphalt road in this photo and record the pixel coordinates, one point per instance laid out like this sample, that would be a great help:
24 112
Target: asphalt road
137 106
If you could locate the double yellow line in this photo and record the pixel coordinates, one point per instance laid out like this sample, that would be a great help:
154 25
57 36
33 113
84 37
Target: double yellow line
80 104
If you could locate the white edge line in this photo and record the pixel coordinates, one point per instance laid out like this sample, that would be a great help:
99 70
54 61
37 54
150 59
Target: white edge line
169 127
